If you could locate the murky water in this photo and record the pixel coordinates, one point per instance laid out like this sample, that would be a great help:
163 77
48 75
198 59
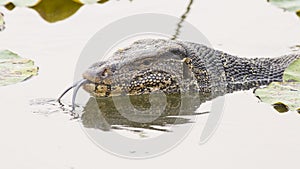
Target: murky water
249 129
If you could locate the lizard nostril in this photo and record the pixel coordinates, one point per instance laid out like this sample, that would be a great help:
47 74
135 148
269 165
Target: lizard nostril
104 74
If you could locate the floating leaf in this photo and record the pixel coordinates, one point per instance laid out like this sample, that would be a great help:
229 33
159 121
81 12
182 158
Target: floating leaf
14 69
21 3
86 1
281 107
292 73
91 1
10 6
103 1
56 10
282 95
2 23
51 10
289 5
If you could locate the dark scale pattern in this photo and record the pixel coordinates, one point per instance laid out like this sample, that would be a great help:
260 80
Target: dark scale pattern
244 74
233 73
207 67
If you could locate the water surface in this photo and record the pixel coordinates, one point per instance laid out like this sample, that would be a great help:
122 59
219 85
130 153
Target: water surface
249 129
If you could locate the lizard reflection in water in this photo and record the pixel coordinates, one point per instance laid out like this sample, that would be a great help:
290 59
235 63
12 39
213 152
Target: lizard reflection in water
102 113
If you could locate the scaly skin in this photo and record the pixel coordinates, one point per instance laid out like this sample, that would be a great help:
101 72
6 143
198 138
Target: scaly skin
171 66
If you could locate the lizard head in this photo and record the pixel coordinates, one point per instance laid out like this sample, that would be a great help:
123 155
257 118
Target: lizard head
143 67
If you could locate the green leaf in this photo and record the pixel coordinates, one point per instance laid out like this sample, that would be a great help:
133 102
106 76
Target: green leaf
14 69
102 1
21 3
289 5
282 95
292 73
51 10
86 1
280 107
56 10
10 6
2 23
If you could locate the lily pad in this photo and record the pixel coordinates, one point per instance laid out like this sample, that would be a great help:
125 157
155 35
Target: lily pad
86 1
281 107
10 6
284 96
289 5
21 3
14 69
292 73
56 10
51 10
2 23
90 1
281 95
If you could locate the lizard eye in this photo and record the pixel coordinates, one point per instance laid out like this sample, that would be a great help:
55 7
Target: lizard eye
146 62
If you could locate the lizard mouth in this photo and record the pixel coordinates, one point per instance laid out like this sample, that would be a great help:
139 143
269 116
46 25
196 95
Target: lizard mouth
97 85
97 89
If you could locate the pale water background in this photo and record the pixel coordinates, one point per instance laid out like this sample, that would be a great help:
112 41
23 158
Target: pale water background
251 134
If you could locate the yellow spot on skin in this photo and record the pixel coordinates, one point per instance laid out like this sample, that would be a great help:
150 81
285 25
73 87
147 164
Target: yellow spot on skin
101 88
107 81
121 49
100 94
186 60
